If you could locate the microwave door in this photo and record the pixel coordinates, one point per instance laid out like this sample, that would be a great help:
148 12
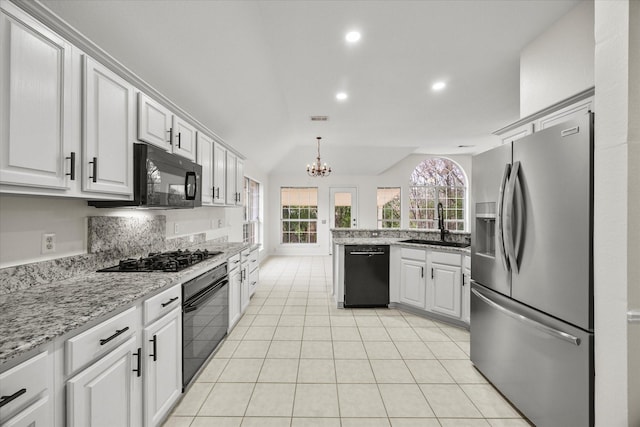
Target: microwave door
166 185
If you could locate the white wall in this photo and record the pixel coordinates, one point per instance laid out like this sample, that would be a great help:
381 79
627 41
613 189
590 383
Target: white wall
396 176
23 220
617 212
559 62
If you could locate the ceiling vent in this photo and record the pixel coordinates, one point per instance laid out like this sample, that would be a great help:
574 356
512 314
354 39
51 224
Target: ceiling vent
319 118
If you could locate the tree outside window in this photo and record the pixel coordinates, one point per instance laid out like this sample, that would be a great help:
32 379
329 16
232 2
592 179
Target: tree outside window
388 212
437 180
299 214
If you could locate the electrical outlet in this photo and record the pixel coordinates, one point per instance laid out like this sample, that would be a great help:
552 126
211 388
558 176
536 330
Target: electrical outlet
48 243
176 228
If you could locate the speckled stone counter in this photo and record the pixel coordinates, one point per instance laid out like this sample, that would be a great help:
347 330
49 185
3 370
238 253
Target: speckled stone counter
35 316
397 241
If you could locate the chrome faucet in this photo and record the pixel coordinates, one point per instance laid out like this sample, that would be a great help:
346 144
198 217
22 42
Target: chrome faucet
441 222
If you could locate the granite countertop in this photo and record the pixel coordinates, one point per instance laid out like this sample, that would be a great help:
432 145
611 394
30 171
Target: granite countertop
397 241
39 314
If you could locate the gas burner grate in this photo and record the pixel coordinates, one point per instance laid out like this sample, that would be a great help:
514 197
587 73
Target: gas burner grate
171 261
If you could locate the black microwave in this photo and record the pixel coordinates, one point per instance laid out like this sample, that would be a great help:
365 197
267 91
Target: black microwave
161 180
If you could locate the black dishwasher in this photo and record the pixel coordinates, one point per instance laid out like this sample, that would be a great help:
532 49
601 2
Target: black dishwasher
366 276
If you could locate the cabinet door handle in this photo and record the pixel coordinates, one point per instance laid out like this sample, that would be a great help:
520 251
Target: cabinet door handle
94 178
179 133
72 167
164 304
5 400
138 354
117 333
170 132
462 279
155 348
432 272
217 192
421 271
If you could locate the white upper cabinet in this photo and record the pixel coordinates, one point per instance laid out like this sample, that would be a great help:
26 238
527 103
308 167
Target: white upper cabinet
235 180
205 159
219 174
35 112
184 139
158 126
108 131
154 122
232 195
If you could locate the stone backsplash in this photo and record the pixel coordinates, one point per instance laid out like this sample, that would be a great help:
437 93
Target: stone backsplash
110 239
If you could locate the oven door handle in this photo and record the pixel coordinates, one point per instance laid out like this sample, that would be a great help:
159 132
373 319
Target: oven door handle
192 305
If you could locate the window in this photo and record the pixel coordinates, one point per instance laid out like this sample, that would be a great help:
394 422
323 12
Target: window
389 207
437 180
299 214
252 226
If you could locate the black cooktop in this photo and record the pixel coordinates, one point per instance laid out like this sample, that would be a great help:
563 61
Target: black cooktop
162 261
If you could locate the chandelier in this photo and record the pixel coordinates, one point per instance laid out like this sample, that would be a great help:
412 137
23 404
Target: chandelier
317 168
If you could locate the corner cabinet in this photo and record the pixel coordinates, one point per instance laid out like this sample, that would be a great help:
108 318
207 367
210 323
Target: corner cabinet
36 117
431 282
108 131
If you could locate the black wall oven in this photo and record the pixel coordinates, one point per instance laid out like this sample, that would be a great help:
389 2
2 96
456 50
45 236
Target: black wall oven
205 319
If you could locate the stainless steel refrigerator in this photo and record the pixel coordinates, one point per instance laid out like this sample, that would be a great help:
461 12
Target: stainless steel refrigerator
532 272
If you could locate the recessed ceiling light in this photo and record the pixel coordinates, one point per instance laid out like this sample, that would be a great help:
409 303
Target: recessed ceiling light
437 86
341 96
352 36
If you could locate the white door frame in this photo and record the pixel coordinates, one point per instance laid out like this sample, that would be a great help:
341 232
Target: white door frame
354 209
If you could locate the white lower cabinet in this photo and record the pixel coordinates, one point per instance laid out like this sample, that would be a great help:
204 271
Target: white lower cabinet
434 282
26 395
35 415
108 392
412 284
412 277
445 290
444 286
234 290
162 367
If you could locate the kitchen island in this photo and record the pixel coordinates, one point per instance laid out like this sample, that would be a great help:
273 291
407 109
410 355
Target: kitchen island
426 279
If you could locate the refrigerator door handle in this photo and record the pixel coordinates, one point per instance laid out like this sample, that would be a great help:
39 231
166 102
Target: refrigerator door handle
508 218
503 184
539 326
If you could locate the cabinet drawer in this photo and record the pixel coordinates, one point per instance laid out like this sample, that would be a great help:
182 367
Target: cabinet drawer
157 306
446 258
234 262
36 415
416 254
100 339
253 258
245 254
467 262
30 376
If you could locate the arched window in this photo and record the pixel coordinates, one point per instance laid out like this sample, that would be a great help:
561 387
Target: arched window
437 180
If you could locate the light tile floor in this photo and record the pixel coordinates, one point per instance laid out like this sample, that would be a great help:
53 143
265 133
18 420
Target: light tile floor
296 360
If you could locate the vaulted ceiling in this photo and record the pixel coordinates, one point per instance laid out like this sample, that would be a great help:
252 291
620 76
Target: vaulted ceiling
255 71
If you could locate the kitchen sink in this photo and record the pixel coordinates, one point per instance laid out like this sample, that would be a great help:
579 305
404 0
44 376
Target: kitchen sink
436 242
